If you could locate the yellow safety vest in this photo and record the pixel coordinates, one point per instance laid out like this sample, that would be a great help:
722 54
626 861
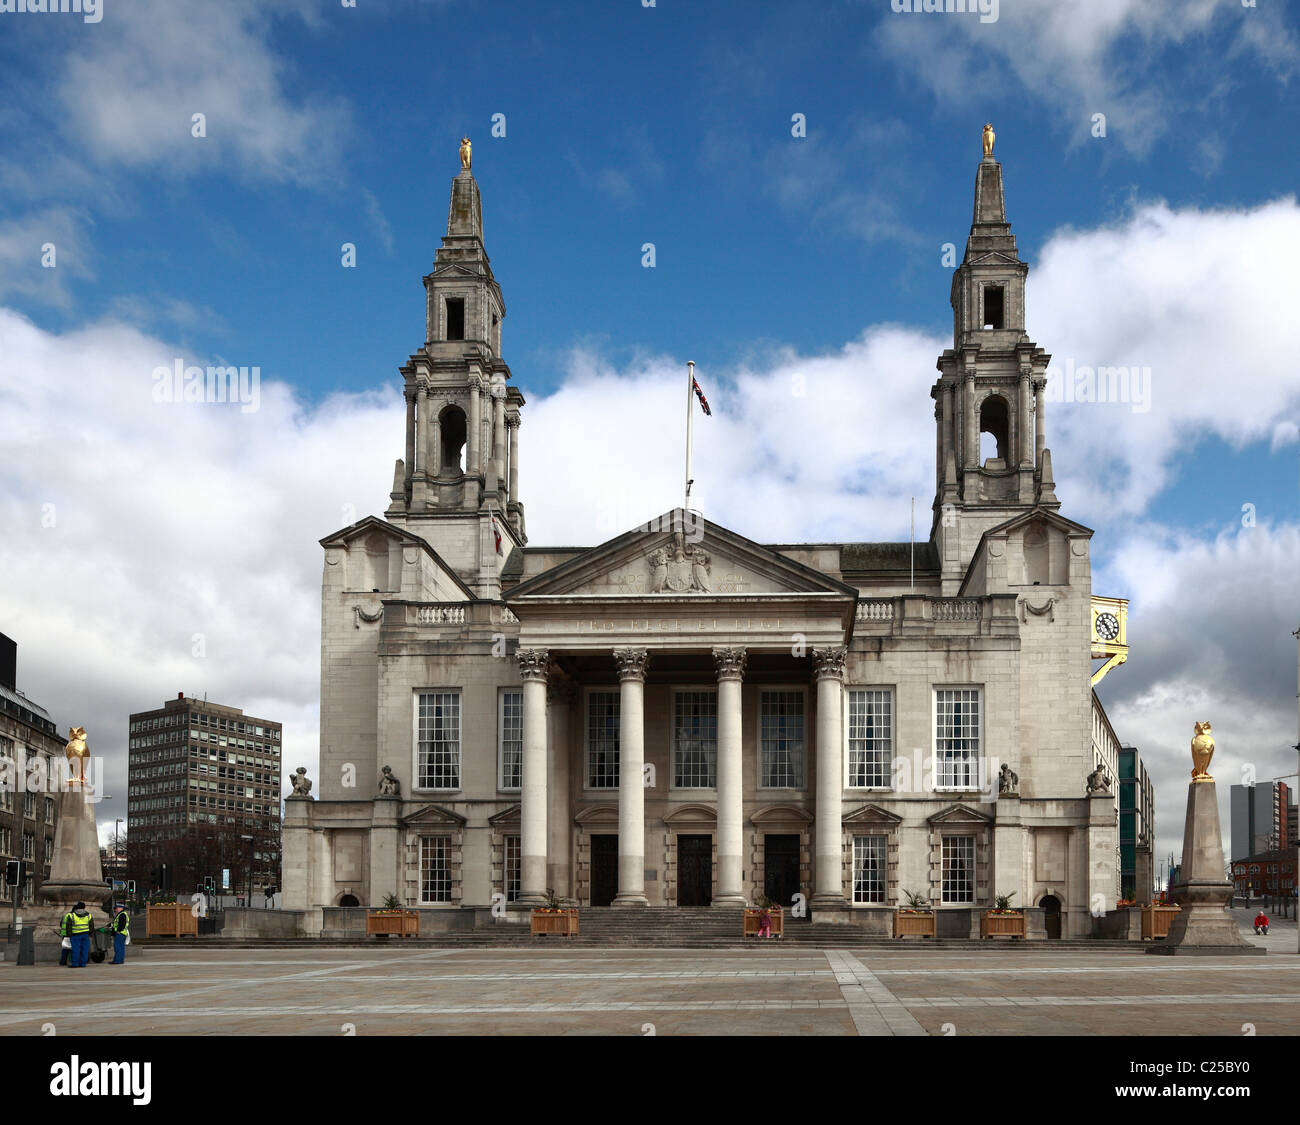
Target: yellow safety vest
80 924
126 927
64 929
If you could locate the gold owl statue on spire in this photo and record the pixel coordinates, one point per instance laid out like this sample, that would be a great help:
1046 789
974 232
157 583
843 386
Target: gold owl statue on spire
989 138
466 154
1202 752
77 753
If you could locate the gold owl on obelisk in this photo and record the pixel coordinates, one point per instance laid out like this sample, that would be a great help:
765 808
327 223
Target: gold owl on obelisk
77 753
1202 752
466 154
989 138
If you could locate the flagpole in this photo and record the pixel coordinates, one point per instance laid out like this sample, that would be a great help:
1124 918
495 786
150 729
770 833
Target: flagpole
913 543
690 420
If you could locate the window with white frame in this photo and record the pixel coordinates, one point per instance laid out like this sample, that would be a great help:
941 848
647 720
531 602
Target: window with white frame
29 846
781 739
869 868
513 865
435 869
871 726
695 739
959 869
510 738
602 739
438 739
956 738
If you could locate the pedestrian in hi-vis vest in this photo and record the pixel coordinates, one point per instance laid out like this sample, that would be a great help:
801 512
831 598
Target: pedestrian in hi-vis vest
79 923
121 930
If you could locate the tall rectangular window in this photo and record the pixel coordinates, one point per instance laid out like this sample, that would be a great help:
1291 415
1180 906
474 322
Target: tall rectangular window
957 738
510 736
868 868
781 739
959 869
695 739
435 869
455 318
439 740
602 739
513 865
870 738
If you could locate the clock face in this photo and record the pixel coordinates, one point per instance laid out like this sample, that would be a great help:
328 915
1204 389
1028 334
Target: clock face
1107 626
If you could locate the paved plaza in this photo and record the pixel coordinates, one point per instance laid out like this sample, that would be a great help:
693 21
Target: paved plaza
550 990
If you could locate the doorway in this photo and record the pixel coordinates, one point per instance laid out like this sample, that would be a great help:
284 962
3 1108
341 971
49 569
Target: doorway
781 868
604 869
1052 915
694 870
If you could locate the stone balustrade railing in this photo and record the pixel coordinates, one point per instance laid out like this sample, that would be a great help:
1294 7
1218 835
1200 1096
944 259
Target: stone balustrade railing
996 612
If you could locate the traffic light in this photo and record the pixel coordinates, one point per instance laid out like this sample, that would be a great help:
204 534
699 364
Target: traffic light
130 887
13 873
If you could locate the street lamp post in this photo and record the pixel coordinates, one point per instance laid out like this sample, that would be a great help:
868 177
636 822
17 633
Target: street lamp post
250 870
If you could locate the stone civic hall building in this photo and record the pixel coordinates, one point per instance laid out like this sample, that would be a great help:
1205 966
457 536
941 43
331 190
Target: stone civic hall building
683 716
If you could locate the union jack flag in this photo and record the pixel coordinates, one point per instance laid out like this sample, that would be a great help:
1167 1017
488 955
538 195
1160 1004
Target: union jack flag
704 402
496 532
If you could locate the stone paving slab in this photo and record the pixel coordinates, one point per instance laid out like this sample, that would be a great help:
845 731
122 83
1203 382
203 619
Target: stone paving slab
495 991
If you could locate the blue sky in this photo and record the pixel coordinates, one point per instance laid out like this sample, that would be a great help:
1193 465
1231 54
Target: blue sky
1171 241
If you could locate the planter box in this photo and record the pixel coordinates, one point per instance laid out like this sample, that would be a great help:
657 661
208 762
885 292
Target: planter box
1156 920
554 922
170 919
1002 925
911 924
753 923
406 924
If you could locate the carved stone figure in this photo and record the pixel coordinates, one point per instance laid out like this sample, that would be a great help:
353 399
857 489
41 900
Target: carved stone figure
989 138
1098 782
1202 752
700 569
466 153
658 570
389 786
301 784
1008 779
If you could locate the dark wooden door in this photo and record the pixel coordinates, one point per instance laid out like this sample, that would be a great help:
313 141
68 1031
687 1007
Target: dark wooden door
694 870
604 869
1052 916
781 869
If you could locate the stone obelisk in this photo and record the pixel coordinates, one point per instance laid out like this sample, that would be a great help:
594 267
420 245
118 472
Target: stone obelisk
75 874
1204 925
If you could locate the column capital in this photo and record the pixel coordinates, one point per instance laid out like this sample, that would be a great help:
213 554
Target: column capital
729 663
828 663
534 663
475 382
1039 384
632 663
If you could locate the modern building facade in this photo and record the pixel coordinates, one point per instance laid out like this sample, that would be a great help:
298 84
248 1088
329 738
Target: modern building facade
32 751
1137 825
1260 820
685 716
199 770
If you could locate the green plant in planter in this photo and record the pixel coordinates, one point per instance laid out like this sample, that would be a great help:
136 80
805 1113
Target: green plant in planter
762 902
392 902
915 900
1002 903
552 901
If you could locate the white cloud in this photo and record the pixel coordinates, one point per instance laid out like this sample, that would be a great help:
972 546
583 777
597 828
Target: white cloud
24 254
1065 54
129 93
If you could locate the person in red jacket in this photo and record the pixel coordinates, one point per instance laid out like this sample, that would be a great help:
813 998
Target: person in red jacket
1261 923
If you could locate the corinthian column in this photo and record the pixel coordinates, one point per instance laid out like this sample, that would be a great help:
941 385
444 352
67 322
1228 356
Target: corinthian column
1040 430
422 415
513 423
410 436
534 665
631 785
729 663
499 429
828 664
972 424
475 427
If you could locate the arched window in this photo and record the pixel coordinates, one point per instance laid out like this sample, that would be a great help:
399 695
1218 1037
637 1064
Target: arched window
993 428
452 455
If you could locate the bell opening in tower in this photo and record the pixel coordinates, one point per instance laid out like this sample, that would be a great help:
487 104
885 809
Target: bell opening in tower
993 296
993 431
451 424
455 318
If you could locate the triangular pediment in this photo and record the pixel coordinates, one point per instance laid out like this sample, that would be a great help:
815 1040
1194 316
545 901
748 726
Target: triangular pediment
994 257
684 556
433 816
960 814
374 535
507 817
869 815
